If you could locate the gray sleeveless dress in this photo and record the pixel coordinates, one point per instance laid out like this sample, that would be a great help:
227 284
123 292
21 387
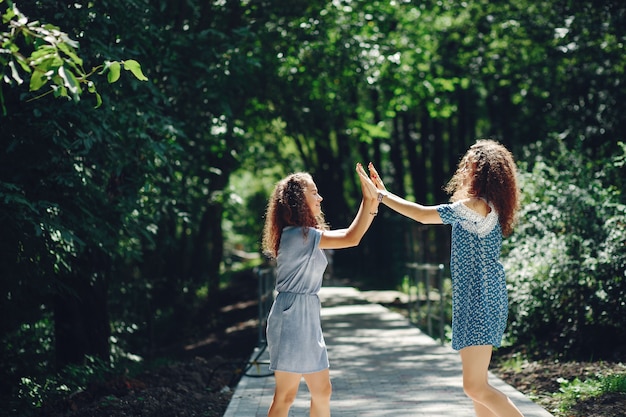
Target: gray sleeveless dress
294 330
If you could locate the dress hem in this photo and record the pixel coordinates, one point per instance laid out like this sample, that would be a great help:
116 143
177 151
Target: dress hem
299 372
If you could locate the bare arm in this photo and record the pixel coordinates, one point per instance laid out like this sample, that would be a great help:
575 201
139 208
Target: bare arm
351 236
417 212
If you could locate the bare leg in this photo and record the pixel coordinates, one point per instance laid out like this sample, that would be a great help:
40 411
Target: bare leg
321 390
285 392
482 411
488 401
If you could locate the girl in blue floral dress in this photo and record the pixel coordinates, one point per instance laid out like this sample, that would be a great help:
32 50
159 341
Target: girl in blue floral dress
484 201
295 234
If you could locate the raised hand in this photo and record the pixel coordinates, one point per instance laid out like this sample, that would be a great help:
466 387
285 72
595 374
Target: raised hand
368 187
376 180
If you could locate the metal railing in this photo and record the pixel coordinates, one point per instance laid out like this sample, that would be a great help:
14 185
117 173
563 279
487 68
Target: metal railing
427 303
266 277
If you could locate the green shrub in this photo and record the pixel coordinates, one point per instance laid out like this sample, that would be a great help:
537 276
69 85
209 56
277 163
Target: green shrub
565 263
32 393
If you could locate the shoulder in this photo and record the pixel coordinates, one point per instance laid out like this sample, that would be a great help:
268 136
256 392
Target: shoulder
290 230
475 210
478 205
452 207
294 232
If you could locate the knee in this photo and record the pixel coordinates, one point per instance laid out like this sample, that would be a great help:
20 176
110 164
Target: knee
328 390
323 391
286 398
477 391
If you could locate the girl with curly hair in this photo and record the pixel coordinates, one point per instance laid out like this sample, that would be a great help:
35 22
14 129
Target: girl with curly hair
294 234
484 202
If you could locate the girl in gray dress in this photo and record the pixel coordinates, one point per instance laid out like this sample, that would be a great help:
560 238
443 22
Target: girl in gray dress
295 234
484 202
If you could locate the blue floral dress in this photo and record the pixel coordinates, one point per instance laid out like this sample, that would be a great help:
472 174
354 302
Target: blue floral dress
294 330
479 294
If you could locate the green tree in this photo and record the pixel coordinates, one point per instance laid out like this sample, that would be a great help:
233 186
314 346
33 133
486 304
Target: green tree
68 189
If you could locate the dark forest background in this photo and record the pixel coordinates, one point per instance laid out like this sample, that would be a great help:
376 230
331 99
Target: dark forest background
139 141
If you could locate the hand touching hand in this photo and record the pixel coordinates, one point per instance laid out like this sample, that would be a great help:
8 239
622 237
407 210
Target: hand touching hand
367 186
376 180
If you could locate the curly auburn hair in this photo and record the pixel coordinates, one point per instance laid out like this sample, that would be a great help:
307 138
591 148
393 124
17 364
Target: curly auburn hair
287 206
487 170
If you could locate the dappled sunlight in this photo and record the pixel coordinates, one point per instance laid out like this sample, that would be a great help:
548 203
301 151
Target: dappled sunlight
248 324
204 342
238 306
391 366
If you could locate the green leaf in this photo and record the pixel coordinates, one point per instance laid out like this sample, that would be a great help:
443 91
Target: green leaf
23 62
10 14
42 53
114 72
98 99
134 67
58 89
91 87
70 81
69 51
37 80
14 74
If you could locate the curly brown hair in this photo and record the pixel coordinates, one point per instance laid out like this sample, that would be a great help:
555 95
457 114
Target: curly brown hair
487 170
287 207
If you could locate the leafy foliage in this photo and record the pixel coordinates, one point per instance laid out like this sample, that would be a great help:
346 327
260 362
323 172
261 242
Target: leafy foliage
566 262
573 391
34 393
45 55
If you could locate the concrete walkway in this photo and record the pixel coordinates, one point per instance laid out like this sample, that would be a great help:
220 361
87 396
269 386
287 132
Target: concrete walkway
380 365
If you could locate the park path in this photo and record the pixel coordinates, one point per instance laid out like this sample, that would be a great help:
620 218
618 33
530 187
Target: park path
381 366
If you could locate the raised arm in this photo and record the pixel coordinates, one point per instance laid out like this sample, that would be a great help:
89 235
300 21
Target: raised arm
351 236
417 212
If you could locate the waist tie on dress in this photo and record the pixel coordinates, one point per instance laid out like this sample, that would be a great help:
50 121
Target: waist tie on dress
297 293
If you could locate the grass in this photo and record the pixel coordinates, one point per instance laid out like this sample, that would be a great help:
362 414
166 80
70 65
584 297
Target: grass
515 363
577 390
